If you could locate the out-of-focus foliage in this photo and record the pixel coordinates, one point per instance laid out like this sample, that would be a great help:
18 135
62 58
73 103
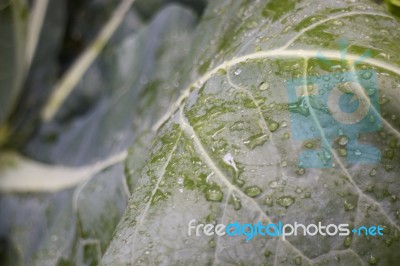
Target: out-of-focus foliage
126 90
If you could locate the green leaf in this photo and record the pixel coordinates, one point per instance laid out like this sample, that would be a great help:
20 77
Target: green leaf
226 151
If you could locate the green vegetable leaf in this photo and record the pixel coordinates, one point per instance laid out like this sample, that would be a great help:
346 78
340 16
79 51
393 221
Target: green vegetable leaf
227 150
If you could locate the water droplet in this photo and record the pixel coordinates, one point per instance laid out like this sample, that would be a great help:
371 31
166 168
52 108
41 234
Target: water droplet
269 201
347 241
342 152
343 140
286 135
371 119
147 197
256 140
389 153
370 188
267 253
307 195
372 260
221 72
357 153
253 191
388 167
326 78
237 204
327 155
383 100
273 126
237 72
285 201
301 171
273 184
297 261
385 230
309 145
393 198
298 190
366 75
389 242
212 243
239 182
264 86
348 206
214 193
372 172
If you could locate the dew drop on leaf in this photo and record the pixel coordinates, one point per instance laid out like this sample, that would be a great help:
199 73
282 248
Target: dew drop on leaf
273 126
267 253
366 75
348 206
211 243
214 193
252 191
256 140
386 230
273 184
372 260
285 201
342 152
347 241
264 86
236 202
269 201
343 140
372 172
300 171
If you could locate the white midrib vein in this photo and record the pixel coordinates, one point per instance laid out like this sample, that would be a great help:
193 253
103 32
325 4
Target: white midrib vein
187 128
276 53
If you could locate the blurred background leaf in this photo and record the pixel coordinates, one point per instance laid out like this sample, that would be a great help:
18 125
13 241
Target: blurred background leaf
120 96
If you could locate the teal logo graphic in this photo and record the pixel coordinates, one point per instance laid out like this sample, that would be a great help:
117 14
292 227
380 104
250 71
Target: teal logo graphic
335 107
